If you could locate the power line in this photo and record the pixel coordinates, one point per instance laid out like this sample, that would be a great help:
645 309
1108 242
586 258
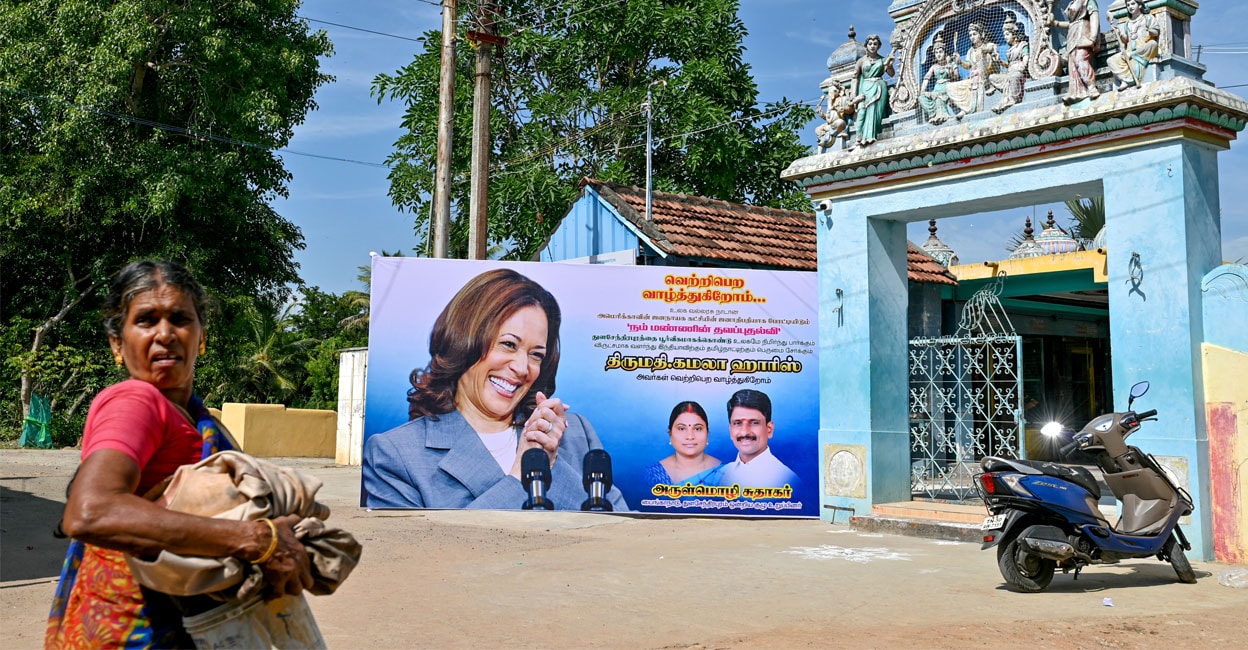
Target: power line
190 133
361 29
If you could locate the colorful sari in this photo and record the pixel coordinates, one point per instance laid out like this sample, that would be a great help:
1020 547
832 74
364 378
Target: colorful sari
98 603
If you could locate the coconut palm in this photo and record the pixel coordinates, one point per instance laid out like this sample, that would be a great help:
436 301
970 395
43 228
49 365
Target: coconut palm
1086 219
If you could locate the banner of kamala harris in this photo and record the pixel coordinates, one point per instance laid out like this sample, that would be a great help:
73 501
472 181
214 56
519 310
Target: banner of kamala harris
700 383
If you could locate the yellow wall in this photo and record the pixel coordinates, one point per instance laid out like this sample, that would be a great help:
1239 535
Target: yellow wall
1226 410
271 430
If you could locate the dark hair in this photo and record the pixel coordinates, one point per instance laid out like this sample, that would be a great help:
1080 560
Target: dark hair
687 407
750 399
464 332
145 275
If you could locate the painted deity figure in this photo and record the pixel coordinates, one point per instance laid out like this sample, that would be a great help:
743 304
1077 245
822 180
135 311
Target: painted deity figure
1010 81
870 90
981 60
835 107
935 103
1137 45
1083 40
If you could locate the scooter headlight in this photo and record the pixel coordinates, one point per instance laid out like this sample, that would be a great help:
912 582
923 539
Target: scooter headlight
1052 429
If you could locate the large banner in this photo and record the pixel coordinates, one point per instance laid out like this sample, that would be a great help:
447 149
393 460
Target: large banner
636 345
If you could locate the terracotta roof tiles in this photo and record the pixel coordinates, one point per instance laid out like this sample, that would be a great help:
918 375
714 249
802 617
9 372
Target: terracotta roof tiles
718 231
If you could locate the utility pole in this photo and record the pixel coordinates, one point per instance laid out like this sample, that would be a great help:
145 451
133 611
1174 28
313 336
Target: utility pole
446 120
478 204
649 107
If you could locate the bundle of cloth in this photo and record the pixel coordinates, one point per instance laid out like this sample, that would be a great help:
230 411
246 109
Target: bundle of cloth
233 485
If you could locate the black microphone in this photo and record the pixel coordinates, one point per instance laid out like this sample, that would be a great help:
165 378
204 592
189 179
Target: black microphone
597 480
535 475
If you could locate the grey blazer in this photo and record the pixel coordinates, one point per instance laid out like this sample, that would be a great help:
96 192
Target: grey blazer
441 463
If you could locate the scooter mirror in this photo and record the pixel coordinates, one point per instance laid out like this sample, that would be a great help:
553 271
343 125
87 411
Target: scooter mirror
1052 429
1137 391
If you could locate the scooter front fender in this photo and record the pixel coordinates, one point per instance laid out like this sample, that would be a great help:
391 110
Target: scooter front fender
1011 528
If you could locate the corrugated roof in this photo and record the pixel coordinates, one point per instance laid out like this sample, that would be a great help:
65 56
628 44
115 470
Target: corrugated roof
719 231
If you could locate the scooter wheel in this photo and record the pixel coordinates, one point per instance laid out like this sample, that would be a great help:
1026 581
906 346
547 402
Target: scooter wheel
1023 571
1178 560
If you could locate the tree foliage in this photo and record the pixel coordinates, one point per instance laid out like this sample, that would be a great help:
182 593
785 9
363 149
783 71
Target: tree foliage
123 125
567 100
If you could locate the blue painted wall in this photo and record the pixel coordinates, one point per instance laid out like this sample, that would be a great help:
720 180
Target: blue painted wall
591 227
1161 203
1226 307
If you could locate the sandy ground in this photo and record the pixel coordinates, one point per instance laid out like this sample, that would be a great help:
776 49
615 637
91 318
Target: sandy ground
457 579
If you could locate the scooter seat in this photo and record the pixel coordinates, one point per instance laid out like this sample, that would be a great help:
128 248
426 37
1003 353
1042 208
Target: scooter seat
1075 474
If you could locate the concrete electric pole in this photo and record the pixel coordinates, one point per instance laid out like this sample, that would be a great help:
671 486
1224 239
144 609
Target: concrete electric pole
479 206
446 121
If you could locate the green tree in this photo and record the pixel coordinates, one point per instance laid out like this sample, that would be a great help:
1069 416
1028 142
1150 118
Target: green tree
143 128
269 357
1086 219
325 318
568 91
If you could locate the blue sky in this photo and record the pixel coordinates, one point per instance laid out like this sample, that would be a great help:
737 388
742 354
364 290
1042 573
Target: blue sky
345 212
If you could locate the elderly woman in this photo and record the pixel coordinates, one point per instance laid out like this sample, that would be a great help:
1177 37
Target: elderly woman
483 401
688 434
137 433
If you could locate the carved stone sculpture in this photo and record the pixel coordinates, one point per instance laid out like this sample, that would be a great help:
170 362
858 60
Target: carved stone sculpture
935 102
871 91
1083 40
835 107
1137 45
1010 81
981 60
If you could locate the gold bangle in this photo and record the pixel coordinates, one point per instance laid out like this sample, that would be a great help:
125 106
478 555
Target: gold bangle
268 554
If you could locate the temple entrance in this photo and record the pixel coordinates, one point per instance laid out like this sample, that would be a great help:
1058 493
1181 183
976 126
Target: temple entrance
966 400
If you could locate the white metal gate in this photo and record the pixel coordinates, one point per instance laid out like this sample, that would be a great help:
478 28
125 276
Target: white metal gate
965 399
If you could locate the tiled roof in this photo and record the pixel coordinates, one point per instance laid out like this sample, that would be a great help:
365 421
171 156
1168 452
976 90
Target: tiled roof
700 228
921 267
718 231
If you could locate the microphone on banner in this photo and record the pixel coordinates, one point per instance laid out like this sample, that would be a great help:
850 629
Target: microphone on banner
597 480
535 475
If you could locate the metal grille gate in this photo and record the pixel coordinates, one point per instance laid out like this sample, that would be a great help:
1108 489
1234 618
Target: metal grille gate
965 399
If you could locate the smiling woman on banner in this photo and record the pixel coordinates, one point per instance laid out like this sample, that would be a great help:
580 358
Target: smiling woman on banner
483 401
688 433
137 433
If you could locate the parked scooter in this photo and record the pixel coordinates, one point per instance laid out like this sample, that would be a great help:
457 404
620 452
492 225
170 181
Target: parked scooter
1045 515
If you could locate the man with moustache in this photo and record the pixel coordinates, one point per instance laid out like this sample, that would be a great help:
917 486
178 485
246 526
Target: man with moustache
751 428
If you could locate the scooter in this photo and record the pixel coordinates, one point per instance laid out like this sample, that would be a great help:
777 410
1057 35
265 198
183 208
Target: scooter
1045 515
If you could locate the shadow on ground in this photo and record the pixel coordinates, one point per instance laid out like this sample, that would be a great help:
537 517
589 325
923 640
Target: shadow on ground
27 548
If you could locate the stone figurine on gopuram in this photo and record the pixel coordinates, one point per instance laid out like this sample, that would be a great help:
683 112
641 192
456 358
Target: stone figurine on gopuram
871 91
836 106
1010 82
1083 41
981 60
935 102
1137 46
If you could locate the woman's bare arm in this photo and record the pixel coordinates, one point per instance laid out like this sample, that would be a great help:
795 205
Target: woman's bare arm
104 511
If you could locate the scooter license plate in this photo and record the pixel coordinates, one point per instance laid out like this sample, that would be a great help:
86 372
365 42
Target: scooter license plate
994 522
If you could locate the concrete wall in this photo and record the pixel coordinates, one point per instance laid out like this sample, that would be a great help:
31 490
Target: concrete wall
1226 407
1225 357
269 430
352 372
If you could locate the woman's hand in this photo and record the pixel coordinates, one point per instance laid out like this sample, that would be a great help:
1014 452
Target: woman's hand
544 428
288 571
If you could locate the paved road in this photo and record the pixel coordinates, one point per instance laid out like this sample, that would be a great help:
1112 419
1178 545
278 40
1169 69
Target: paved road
457 579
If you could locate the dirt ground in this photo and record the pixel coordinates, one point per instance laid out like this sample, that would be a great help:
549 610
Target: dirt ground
458 579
